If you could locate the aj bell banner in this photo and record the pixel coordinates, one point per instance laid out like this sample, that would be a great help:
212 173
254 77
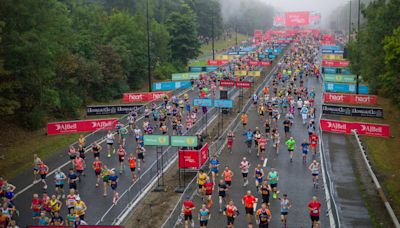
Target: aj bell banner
352 111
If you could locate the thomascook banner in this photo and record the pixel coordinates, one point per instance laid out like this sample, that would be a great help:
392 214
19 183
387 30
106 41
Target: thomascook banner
352 111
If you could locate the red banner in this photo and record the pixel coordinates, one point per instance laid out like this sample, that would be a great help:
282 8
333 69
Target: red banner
143 97
252 63
265 63
243 84
379 130
297 18
67 127
193 159
335 63
344 98
228 83
216 62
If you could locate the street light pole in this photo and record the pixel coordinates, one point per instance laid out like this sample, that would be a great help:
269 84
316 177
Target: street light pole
358 40
349 20
212 33
148 46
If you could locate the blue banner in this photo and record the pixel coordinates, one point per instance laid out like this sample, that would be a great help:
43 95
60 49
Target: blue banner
283 45
211 68
330 47
223 103
206 102
345 71
326 51
163 86
277 50
272 56
261 56
270 50
195 69
329 70
345 88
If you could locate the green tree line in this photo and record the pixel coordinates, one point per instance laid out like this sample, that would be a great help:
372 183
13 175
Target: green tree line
56 56
374 51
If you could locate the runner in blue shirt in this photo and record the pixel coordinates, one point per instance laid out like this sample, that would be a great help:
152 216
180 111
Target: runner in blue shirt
214 163
305 148
249 139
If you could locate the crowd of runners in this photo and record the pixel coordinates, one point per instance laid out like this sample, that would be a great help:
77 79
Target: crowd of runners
279 103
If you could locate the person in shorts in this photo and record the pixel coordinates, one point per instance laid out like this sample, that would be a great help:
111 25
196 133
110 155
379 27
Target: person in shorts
248 201
314 208
222 188
204 216
187 210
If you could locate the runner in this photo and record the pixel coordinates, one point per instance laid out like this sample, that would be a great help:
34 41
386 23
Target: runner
97 169
121 158
273 179
265 191
304 113
36 163
314 168
140 155
80 208
285 206
286 127
314 208
244 119
71 201
80 167
227 175
132 166
201 180
305 148
187 210
222 188
230 138
204 216
36 206
258 175
96 148
261 147
249 139
209 188
291 144
214 164
313 143
55 205
244 166
59 179
250 203
43 170
105 174
113 179
263 216
72 179
110 142
276 140
231 212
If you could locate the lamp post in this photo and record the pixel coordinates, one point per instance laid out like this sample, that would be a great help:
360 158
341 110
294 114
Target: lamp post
148 46
358 40
212 33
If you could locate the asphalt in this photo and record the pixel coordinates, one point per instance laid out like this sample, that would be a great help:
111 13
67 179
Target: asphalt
351 207
295 178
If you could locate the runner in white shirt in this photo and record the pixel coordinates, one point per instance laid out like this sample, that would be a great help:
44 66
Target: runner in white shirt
314 168
110 142
244 166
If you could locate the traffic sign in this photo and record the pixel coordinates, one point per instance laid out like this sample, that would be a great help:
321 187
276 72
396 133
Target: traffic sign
188 141
156 140
206 102
223 103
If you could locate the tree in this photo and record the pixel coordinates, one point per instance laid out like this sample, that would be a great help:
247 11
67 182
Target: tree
391 77
182 26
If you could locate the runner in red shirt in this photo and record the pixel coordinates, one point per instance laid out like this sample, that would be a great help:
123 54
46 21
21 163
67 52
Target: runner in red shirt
249 200
315 209
187 210
313 143
121 158
231 212
97 169
36 206
209 186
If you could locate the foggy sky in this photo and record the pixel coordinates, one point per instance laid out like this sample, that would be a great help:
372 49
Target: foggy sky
325 7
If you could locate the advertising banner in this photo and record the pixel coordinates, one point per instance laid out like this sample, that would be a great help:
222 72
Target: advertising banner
243 84
272 56
355 99
110 109
265 63
333 52
217 62
185 76
184 141
211 68
206 102
193 159
160 86
334 126
329 70
344 78
67 127
345 88
332 57
352 111
254 73
222 57
240 73
227 83
297 18
195 69
335 63
330 47
345 71
261 56
156 140
223 103
143 97
252 63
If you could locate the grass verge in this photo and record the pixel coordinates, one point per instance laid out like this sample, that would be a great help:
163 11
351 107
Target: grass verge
383 152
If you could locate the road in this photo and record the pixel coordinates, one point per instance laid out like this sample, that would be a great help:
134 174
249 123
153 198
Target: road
295 178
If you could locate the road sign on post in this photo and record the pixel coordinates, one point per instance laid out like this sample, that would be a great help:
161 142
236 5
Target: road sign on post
156 140
184 141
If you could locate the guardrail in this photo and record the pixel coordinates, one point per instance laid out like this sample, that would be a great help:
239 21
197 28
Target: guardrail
376 182
215 148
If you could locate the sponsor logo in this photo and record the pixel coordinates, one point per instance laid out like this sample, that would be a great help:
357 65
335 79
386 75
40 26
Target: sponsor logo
102 124
135 97
336 125
66 127
371 129
336 97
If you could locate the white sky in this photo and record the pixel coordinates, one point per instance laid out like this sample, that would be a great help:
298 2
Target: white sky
325 7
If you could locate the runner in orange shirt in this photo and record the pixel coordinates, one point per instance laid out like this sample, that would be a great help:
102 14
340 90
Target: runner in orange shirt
132 166
244 118
249 202
97 170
